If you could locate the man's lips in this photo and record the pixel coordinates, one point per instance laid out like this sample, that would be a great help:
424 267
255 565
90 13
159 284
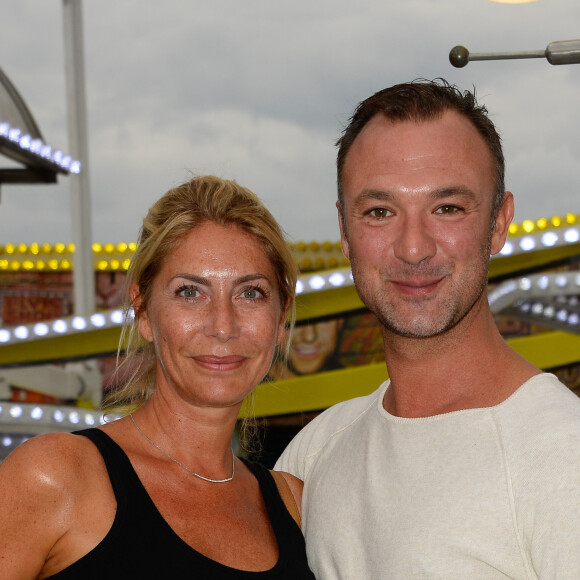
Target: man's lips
417 287
219 363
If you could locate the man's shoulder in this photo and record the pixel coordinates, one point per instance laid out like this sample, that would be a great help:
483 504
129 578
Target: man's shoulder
547 397
343 415
336 421
542 417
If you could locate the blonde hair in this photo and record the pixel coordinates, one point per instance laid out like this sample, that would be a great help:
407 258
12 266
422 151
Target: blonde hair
198 201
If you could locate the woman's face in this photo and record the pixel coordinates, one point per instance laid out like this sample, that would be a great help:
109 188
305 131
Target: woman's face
214 317
312 345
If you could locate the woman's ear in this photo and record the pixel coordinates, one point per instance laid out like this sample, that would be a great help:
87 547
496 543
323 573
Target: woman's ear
140 313
286 320
281 333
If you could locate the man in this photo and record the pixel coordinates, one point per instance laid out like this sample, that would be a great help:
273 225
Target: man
466 462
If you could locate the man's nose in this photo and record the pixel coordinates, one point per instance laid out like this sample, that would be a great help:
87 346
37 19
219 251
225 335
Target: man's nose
414 242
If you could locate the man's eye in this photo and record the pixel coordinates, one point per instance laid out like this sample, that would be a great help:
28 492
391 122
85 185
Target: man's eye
379 212
447 209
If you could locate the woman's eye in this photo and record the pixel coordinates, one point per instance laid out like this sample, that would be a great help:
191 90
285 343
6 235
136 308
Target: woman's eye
188 292
251 293
255 293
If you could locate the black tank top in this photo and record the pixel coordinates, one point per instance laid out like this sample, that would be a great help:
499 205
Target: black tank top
141 544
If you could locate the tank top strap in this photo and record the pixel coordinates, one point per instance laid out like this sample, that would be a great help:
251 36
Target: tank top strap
268 486
118 466
288 534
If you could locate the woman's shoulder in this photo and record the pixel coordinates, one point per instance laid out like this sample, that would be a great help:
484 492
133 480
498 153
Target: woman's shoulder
43 484
50 445
296 487
50 463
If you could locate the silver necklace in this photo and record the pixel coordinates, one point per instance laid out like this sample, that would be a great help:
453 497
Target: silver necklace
185 466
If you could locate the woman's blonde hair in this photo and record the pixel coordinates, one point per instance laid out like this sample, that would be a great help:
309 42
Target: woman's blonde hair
198 201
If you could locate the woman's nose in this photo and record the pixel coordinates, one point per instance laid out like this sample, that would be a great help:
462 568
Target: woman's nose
221 321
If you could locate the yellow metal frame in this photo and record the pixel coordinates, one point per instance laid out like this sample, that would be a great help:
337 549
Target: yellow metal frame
510 265
317 391
44 350
321 390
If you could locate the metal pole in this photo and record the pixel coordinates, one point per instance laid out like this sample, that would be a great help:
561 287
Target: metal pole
557 52
83 274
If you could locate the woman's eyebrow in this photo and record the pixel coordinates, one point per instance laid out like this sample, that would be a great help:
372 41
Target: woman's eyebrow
207 282
193 278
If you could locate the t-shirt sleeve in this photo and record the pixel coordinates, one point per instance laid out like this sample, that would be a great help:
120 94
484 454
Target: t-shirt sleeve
302 451
293 457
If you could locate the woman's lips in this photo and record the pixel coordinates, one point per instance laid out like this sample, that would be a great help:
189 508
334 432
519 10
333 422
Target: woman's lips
219 363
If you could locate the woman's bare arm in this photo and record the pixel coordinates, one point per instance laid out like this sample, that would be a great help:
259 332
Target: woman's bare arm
296 486
40 489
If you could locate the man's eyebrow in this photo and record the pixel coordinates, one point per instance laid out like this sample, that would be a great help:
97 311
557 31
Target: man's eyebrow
373 195
452 191
386 196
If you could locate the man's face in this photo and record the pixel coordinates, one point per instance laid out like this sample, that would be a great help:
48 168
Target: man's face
417 213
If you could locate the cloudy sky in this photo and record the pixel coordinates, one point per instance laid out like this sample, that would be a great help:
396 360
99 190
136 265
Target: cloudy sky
259 90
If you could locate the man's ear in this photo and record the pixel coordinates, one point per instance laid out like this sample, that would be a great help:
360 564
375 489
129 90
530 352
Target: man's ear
503 219
140 313
343 238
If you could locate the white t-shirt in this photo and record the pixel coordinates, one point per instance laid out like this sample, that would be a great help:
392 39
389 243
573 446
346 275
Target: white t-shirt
474 494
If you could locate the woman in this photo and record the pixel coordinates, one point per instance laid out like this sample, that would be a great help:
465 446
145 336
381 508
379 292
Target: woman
313 349
159 493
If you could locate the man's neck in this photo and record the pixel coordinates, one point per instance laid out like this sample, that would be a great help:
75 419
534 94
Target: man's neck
469 366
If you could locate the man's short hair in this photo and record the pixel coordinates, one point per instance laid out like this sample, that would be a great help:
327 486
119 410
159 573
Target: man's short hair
424 100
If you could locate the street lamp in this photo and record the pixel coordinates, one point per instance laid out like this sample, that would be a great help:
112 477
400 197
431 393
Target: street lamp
558 52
